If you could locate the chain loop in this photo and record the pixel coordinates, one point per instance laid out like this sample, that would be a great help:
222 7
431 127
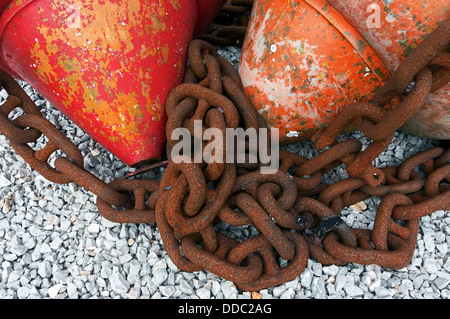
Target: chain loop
57 141
17 98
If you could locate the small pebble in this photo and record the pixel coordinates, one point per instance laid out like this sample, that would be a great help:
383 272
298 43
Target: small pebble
53 290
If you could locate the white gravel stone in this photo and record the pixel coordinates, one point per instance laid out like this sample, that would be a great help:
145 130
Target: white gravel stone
159 272
72 291
203 293
229 290
45 269
429 242
4 181
441 283
94 228
330 270
318 288
185 288
383 292
23 292
430 265
306 278
340 282
168 291
352 290
54 290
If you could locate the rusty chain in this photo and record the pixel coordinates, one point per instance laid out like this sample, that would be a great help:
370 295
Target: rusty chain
296 215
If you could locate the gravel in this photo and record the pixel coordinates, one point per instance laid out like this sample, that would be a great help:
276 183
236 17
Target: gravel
55 244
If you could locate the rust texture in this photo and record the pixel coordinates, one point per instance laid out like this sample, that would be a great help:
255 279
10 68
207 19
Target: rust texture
296 214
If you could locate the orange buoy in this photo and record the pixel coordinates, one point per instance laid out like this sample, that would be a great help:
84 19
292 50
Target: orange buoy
303 61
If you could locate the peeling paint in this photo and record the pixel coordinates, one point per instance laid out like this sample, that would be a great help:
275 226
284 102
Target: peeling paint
300 77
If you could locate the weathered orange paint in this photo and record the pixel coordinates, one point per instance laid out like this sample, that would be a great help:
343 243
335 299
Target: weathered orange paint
302 62
402 25
107 64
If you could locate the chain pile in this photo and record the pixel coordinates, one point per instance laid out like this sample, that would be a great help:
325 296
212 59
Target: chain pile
296 215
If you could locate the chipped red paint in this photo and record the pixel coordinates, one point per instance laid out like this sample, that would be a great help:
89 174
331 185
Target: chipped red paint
107 64
3 6
303 61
